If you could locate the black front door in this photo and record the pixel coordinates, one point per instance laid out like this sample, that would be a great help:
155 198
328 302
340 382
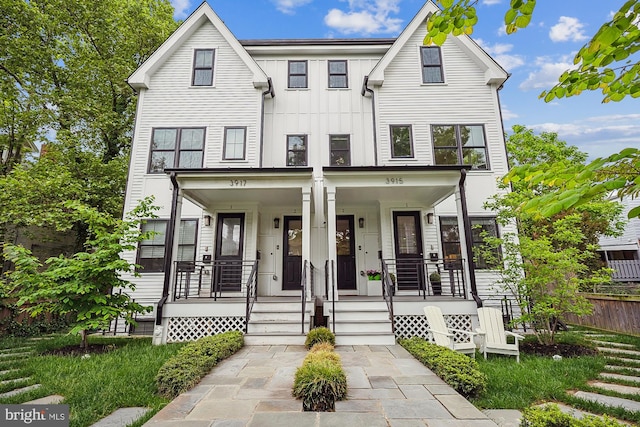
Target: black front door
345 252
228 262
292 268
408 245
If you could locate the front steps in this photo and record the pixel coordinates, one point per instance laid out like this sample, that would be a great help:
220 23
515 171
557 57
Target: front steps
360 322
278 323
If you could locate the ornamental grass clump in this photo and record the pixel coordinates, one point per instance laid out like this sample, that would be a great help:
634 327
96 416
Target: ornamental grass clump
184 370
317 335
552 416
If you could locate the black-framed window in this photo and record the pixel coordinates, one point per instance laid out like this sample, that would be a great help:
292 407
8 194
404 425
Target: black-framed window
296 150
460 145
338 74
176 148
401 141
151 252
450 236
431 59
298 74
340 150
202 67
234 143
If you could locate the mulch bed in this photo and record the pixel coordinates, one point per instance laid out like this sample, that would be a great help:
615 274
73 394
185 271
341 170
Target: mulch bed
564 350
75 350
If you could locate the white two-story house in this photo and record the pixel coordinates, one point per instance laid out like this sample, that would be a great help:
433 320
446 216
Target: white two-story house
286 169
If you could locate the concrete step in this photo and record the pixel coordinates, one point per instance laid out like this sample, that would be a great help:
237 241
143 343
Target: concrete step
14 380
276 327
7 356
504 417
121 417
614 344
53 399
616 367
576 413
620 377
624 389
620 351
270 316
274 339
629 405
366 326
623 359
16 350
365 339
8 371
20 391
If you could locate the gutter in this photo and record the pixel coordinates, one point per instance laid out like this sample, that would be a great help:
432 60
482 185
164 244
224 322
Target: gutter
467 238
168 245
366 89
265 93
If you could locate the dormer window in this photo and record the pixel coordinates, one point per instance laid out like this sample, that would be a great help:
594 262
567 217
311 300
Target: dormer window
431 64
202 67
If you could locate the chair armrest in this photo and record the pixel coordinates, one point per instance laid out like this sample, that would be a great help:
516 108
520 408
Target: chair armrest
470 333
447 334
480 331
517 336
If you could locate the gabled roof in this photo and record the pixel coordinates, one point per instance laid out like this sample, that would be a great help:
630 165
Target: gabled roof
141 77
494 73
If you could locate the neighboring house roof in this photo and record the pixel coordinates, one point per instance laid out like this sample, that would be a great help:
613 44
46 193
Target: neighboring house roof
140 79
494 73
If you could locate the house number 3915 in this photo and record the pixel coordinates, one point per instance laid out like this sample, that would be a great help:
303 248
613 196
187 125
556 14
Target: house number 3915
238 182
394 181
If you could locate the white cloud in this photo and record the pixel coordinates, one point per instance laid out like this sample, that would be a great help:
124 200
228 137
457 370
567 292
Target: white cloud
180 8
491 2
546 76
289 6
507 114
567 29
365 17
499 52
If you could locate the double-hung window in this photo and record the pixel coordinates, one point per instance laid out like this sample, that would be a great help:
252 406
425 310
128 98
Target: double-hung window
202 67
460 145
151 251
401 141
340 150
296 150
338 74
234 143
297 74
480 226
176 148
431 59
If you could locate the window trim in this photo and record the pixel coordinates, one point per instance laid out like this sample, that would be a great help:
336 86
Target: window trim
306 150
244 143
423 66
176 150
348 150
306 74
164 243
212 68
345 74
411 154
472 219
458 147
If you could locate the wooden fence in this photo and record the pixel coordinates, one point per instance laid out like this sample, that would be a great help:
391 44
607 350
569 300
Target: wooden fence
618 313
625 270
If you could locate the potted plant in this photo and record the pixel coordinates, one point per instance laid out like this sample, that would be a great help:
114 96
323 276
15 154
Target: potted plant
436 283
374 274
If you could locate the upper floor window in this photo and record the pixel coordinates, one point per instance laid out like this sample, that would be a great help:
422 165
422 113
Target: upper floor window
401 142
151 252
340 154
460 145
431 64
338 74
297 74
297 150
480 226
234 143
202 67
176 148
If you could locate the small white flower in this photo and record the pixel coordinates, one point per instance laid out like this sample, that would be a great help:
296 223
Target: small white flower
557 357
85 356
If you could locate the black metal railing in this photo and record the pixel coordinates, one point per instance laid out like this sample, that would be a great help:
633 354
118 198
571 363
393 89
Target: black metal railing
303 286
388 289
215 279
427 277
330 290
252 294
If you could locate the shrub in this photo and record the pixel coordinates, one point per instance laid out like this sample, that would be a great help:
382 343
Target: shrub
322 346
317 335
194 361
459 371
552 416
320 381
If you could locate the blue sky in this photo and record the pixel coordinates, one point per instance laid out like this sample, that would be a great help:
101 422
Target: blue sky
535 56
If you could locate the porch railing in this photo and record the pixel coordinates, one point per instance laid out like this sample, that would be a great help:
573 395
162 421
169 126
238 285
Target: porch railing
215 279
417 275
330 290
388 291
252 294
303 286
625 270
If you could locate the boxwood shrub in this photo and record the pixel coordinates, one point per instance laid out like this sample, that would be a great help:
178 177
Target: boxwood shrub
459 371
184 370
320 334
552 416
320 381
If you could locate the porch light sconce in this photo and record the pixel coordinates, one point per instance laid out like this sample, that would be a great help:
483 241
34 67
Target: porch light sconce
361 222
207 220
430 218
276 222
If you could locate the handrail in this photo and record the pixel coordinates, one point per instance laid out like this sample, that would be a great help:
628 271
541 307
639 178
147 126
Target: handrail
333 297
388 289
326 279
252 293
303 286
415 275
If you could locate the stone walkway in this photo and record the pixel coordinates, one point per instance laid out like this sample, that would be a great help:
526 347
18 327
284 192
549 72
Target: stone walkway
387 387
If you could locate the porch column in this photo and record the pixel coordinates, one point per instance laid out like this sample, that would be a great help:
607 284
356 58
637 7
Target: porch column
171 251
306 231
464 230
331 238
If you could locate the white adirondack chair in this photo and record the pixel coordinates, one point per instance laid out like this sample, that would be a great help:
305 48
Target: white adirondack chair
442 335
494 336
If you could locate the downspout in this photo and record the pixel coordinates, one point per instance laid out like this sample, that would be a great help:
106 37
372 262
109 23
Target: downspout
265 93
467 238
168 248
366 88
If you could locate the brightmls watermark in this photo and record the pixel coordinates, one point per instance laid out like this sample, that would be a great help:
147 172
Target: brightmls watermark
34 415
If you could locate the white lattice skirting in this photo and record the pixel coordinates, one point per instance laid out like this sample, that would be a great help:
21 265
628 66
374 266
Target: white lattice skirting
416 326
192 328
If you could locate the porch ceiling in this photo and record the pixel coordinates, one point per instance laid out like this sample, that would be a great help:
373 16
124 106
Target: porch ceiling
265 197
366 195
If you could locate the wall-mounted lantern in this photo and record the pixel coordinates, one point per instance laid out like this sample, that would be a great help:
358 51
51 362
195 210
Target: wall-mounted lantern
429 218
207 220
361 222
276 222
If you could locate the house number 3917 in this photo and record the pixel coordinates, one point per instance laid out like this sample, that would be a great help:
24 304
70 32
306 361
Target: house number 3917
238 182
394 181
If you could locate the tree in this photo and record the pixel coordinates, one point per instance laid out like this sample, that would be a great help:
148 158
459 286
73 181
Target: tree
81 286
